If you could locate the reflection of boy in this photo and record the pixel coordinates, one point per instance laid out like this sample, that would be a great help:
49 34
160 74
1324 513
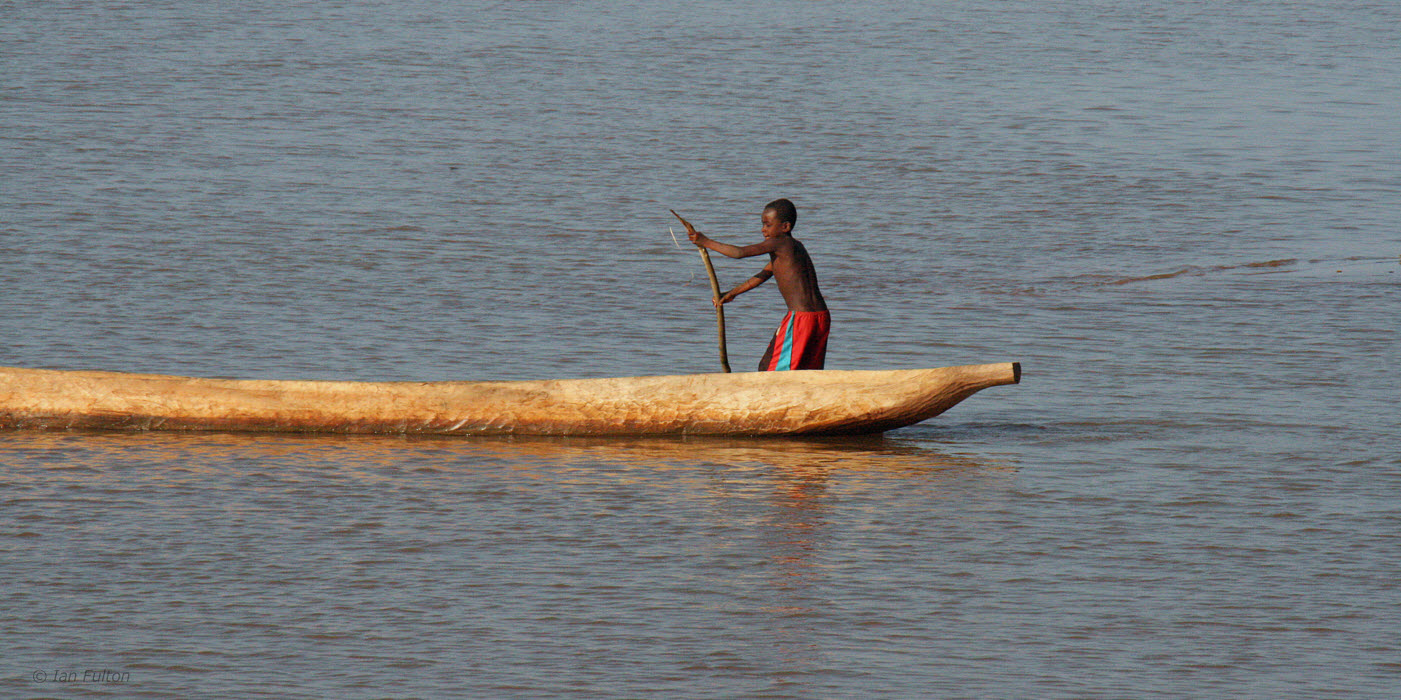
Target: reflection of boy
801 339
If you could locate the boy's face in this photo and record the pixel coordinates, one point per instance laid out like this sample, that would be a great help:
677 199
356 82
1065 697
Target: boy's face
772 226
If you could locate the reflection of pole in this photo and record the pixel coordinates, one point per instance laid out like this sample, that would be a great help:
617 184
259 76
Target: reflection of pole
797 536
719 308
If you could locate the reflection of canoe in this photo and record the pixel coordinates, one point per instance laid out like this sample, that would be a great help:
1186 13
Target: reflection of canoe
704 460
750 403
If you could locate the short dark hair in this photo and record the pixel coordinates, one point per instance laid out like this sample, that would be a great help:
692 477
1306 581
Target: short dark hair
785 210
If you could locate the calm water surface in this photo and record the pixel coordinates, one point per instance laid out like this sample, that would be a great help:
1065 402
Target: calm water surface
1181 217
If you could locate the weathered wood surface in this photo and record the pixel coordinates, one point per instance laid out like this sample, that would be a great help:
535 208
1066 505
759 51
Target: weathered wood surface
749 403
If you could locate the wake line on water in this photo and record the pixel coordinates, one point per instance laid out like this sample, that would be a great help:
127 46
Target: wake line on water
1099 279
1385 270
1193 270
1365 266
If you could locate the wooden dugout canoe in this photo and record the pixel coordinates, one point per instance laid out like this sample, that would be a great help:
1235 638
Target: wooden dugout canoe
824 402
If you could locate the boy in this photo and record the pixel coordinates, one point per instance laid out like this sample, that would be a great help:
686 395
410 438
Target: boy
801 339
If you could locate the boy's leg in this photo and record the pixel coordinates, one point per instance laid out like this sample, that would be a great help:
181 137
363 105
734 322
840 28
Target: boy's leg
779 354
809 332
768 356
775 357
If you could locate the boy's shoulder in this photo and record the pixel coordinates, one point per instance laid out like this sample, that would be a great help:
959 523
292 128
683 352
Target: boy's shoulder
792 251
793 244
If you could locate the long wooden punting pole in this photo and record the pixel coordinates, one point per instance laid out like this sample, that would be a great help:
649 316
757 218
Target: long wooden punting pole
715 290
719 308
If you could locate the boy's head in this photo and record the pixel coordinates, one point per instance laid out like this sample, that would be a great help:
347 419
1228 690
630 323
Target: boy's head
784 210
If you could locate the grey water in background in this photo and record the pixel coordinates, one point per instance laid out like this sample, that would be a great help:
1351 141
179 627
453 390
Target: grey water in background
1182 217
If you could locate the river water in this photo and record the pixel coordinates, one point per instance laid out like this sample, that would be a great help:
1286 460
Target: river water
1181 217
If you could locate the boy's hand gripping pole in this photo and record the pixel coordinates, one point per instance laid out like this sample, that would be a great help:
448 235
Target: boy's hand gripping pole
715 290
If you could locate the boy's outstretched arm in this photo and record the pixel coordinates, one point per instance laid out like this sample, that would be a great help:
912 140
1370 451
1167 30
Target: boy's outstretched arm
732 251
725 249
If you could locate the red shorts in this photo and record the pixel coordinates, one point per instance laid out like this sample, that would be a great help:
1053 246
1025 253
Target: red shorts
799 343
